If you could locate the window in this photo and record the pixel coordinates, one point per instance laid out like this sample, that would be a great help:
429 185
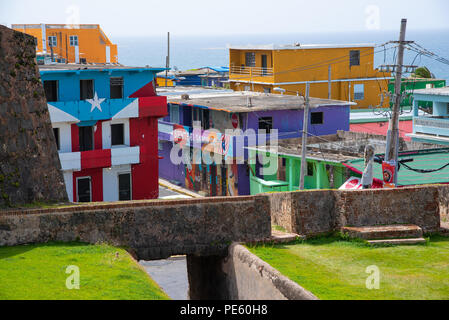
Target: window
116 86
316 118
267 90
51 90
73 41
174 113
83 187
52 41
359 92
250 59
247 88
56 133
117 134
266 123
86 138
202 115
124 186
86 89
447 109
354 58
310 169
160 146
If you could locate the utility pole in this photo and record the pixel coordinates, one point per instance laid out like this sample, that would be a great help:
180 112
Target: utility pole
305 130
167 62
390 164
329 85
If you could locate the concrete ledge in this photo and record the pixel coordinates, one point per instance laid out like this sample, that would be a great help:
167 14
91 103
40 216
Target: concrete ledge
250 278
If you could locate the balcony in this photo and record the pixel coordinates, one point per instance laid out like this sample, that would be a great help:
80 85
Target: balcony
251 71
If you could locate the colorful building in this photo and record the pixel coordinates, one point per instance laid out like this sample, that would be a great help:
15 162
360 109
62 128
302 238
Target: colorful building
409 85
431 127
221 111
347 70
84 43
105 123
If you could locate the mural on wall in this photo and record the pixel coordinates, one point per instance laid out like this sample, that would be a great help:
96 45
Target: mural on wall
232 180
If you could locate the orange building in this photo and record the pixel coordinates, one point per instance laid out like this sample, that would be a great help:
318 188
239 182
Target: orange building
84 43
340 72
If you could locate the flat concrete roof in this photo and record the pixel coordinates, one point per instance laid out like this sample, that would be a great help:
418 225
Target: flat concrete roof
434 91
300 46
87 67
245 101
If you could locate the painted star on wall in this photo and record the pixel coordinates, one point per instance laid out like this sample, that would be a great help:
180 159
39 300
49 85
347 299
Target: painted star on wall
95 102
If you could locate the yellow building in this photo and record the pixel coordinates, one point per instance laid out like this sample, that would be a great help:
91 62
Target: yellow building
347 71
85 43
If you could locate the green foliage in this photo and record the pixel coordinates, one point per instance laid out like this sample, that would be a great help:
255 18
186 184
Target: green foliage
423 72
335 269
106 273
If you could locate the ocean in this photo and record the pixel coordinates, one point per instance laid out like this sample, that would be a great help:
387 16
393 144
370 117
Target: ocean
188 52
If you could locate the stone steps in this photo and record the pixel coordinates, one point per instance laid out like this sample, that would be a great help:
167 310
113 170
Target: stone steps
384 232
398 241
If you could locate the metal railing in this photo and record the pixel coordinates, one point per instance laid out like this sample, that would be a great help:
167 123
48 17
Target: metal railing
252 71
434 122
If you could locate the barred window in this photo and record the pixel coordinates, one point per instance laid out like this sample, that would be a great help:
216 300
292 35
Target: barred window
354 58
250 59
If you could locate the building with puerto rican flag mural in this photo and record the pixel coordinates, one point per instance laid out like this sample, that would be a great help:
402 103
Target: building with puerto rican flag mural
105 120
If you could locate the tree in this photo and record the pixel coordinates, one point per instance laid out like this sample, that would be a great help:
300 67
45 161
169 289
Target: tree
423 72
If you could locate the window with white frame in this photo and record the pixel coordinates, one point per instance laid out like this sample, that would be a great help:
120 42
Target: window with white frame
359 91
73 41
52 41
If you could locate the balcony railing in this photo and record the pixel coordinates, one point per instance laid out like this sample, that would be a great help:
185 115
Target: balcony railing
252 71
434 122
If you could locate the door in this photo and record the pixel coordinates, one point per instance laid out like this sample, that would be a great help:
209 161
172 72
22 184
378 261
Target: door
84 187
124 186
264 64
224 179
213 180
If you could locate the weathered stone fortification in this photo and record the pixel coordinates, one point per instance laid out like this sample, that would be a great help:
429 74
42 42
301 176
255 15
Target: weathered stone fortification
29 161
323 211
152 229
240 276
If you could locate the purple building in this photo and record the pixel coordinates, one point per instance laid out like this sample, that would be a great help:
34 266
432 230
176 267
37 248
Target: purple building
220 124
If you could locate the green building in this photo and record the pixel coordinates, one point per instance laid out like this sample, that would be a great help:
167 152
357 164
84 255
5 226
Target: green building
325 169
411 84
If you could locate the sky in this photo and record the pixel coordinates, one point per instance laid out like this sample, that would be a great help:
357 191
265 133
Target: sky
120 18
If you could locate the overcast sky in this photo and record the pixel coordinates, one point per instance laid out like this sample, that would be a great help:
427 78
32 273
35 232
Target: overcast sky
197 17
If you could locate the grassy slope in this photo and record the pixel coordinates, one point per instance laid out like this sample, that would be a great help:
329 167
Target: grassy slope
335 269
38 272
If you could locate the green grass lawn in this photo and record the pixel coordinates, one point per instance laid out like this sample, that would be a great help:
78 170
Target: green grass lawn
335 269
38 272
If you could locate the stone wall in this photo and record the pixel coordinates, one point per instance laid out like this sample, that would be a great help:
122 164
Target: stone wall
240 276
444 203
323 211
29 161
151 229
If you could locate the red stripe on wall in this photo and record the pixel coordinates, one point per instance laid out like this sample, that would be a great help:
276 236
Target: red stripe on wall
145 175
153 106
96 176
96 159
75 138
98 138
